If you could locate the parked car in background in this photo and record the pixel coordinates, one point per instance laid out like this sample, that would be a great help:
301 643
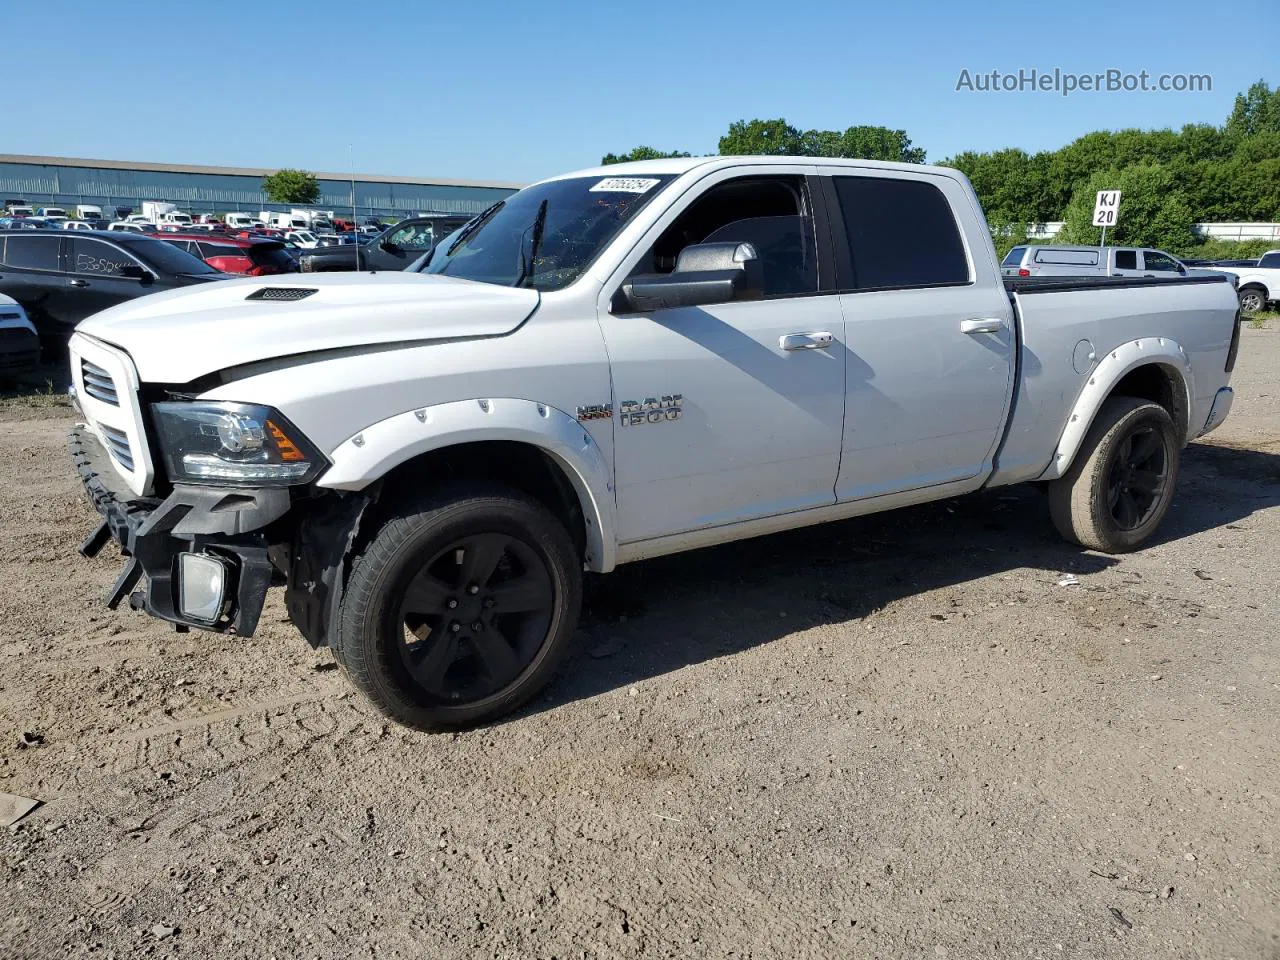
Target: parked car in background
51 212
78 225
1068 260
133 226
19 343
88 211
236 221
61 278
21 223
303 238
395 249
252 257
1258 285
18 208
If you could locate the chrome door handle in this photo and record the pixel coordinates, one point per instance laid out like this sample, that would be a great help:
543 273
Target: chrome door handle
77 283
984 325
806 341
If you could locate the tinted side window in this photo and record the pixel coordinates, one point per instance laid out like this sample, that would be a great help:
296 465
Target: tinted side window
98 258
208 250
1270 260
1155 260
771 213
1126 260
32 253
1014 257
901 233
414 236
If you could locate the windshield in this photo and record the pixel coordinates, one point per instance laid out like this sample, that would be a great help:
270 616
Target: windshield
168 259
582 215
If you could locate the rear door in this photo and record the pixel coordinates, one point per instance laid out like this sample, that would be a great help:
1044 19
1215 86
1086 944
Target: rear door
1124 263
930 347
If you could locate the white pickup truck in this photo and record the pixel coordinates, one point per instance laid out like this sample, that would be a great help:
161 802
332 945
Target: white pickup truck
1258 285
607 366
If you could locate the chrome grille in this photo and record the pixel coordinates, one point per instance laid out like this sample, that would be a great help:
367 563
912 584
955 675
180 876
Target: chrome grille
118 445
99 385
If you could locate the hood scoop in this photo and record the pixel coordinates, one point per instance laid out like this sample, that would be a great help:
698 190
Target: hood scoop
282 293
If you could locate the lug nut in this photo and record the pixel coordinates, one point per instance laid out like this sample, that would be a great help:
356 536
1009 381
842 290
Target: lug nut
477 626
488 603
473 589
451 603
455 627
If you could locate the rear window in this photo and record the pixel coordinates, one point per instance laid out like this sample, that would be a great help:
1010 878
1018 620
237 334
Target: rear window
208 250
1126 260
1014 257
31 253
271 255
168 259
1086 258
901 233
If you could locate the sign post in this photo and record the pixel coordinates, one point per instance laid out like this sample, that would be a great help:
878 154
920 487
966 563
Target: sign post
1105 211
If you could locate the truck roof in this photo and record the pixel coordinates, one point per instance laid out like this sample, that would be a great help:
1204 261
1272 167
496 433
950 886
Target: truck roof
679 165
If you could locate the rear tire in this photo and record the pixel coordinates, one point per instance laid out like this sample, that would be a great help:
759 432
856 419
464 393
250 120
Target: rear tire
460 608
1120 485
1252 300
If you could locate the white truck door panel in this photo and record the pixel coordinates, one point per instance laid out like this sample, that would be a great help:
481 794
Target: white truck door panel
926 399
931 349
759 432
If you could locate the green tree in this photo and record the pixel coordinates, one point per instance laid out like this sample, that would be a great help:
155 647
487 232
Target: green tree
770 138
291 186
863 142
640 153
1152 212
1257 110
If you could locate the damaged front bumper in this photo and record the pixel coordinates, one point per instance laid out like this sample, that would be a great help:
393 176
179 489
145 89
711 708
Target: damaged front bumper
221 526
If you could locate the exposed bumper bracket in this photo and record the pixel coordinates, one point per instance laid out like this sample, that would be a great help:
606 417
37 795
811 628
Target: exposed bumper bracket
95 541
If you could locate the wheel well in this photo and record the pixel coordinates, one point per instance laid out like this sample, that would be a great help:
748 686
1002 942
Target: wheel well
522 466
1159 384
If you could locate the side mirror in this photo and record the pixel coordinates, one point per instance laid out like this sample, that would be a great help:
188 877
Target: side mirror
705 273
135 272
388 246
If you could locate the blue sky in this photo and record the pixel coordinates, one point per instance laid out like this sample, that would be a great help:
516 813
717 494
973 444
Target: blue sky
516 91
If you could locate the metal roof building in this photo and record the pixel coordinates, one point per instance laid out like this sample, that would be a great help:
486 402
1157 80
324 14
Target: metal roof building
66 181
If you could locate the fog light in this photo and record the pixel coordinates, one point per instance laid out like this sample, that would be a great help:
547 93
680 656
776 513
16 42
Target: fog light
202 581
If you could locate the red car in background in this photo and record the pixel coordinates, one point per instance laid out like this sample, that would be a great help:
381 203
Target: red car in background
256 257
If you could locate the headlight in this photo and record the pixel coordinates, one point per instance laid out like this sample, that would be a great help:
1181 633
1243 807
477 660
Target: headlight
236 443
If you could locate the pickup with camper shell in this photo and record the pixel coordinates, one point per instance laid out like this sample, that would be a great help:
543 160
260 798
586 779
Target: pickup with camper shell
607 366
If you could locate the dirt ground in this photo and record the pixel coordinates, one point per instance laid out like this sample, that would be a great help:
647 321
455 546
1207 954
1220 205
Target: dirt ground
901 736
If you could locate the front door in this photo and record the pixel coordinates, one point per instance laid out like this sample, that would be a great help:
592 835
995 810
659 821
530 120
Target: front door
733 411
931 347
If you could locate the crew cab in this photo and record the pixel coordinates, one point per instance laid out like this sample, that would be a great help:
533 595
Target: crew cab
1258 284
606 366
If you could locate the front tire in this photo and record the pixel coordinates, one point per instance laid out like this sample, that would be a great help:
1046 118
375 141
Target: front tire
1120 485
460 609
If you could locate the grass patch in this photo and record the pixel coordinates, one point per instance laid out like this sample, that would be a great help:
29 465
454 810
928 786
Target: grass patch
1258 321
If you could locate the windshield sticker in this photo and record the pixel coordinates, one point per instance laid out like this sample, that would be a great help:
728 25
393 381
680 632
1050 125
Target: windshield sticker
625 185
